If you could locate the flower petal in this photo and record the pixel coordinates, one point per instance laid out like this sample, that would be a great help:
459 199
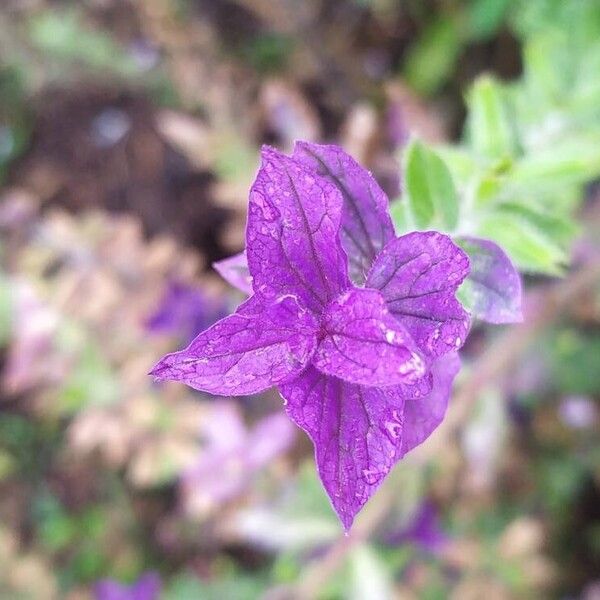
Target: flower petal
418 275
364 344
356 431
423 415
257 347
366 225
234 270
292 235
493 285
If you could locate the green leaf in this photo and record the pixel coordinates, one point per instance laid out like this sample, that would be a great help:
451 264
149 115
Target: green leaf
431 192
487 188
485 17
401 217
529 248
432 58
571 160
63 35
561 230
236 585
572 357
5 310
489 126
548 64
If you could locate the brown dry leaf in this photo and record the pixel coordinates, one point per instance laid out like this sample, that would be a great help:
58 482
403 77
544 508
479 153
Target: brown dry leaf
359 132
420 120
523 537
287 113
480 587
190 136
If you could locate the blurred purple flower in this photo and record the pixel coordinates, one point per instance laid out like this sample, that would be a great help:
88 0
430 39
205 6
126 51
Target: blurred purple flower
358 328
147 587
184 310
423 530
578 412
232 456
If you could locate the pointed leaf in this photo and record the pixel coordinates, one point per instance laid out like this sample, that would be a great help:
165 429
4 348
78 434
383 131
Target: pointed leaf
292 240
493 288
418 275
234 270
257 347
530 248
490 128
431 191
356 431
364 344
366 226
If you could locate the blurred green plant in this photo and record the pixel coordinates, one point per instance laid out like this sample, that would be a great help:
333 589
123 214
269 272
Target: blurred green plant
64 37
434 55
528 149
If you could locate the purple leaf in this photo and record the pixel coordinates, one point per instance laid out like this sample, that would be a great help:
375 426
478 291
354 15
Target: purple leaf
366 226
356 431
292 234
147 587
418 275
423 415
234 270
259 346
364 344
493 286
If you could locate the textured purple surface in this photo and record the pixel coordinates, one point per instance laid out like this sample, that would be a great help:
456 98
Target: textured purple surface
494 284
359 368
147 587
364 344
234 270
261 345
292 239
423 415
356 431
366 226
418 275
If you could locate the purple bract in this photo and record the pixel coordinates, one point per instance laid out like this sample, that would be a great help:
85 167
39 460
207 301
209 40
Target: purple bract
358 329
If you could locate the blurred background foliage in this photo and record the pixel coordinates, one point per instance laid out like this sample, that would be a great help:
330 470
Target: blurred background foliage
129 134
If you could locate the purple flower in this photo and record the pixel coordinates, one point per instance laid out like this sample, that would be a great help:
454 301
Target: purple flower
147 587
578 412
233 455
185 310
423 530
358 329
